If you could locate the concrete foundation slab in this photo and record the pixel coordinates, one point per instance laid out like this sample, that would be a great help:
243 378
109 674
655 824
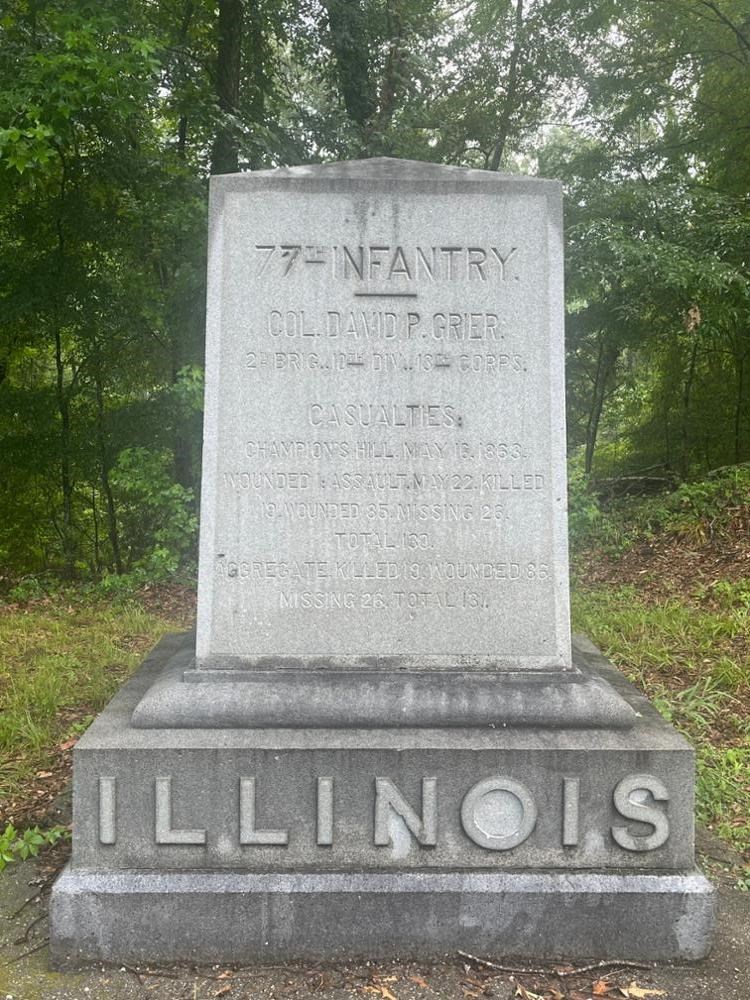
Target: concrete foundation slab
240 917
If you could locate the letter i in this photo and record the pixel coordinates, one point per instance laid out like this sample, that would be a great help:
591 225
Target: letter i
571 795
325 812
107 810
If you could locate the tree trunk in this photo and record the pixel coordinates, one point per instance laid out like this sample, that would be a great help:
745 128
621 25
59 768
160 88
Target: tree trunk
389 86
182 124
225 156
61 393
66 479
104 466
686 394
605 364
738 409
97 547
509 105
351 53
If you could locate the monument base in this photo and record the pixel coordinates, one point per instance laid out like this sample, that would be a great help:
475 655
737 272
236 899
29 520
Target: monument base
239 844
236 917
306 697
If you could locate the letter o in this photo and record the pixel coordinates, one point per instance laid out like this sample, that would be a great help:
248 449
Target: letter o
509 830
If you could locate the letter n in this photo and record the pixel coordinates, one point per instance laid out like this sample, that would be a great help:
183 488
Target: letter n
423 828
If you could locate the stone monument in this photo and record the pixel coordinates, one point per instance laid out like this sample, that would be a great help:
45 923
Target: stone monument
381 741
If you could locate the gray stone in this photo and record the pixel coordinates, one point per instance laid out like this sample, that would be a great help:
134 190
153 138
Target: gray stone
234 917
381 744
378 697
181 799
384 454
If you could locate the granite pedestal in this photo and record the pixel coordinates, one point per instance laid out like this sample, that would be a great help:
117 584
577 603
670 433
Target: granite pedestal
239 845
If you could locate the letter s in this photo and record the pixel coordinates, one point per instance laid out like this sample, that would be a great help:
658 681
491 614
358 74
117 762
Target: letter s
633 809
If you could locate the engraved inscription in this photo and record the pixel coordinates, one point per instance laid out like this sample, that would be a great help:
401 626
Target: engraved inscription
380 419
165 833
498 813
107 810
386 262
571 798
390 803
631 801
249 834
325 812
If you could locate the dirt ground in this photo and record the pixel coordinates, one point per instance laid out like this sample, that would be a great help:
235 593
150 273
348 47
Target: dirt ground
24 972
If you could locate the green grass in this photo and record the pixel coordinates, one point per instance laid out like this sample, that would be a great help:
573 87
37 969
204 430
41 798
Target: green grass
693 662
60 661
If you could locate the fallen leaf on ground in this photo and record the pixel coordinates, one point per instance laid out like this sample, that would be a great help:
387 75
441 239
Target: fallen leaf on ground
223 991
380 990
473 981
420 982
525 994
636 992
601 987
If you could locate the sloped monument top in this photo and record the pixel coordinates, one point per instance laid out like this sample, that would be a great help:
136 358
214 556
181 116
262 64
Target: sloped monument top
384 464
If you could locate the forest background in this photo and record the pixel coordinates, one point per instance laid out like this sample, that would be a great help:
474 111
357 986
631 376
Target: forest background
114 113
112 116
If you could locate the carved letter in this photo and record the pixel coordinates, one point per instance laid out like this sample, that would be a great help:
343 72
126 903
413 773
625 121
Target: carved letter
631 808
164 832
325 812
571 794
388 797
248 833
502 261
357 265
477 257
498 813
107 810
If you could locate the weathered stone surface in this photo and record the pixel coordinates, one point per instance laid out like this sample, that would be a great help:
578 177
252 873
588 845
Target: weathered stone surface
233 917
382 746
300 697
384 467
318 800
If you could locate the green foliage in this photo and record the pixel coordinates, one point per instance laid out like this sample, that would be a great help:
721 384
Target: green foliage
695 511
686 659
584 512
157 521
61 659
108 116
723 791
19 846
83 60
658 224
